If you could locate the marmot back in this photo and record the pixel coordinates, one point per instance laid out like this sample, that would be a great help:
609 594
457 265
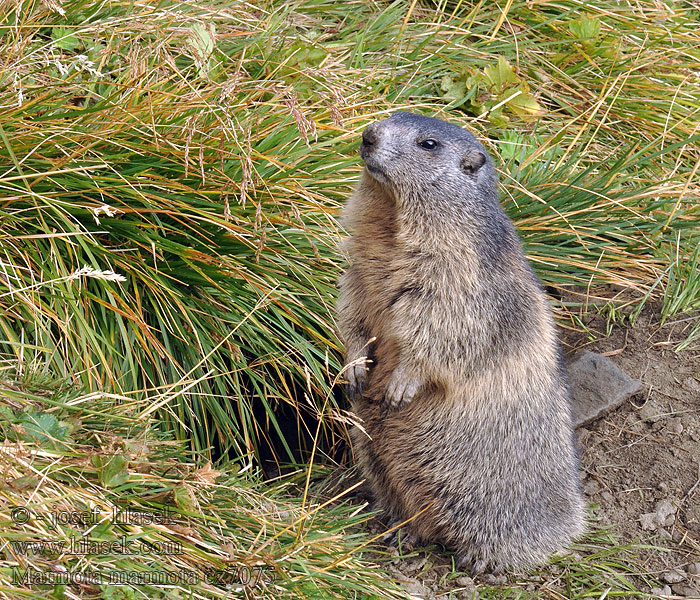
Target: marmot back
465 401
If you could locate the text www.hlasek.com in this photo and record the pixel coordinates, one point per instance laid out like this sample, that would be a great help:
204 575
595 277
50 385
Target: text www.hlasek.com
85 546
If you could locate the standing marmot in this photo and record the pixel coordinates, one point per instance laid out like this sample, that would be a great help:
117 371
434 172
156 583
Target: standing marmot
465 401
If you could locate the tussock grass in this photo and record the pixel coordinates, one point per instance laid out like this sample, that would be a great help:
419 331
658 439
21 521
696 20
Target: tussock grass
99 502
201 153
93 492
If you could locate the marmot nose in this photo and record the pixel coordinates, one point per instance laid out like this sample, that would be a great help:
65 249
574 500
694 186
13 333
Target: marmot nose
369 135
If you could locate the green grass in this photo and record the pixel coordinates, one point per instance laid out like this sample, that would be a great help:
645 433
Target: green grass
202 155
85 468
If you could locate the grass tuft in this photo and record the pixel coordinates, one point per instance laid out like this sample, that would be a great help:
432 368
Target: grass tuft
99 504
171 175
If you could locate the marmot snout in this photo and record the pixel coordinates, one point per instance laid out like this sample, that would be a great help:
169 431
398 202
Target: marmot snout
465 400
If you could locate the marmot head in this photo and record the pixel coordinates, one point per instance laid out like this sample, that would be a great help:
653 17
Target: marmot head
428 159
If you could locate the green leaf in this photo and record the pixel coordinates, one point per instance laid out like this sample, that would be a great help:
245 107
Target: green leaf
585 28
113 592
64 39
201 39
43 428
525 105
183 498
454 90
511 145
501 76
22 483
498 118
113 469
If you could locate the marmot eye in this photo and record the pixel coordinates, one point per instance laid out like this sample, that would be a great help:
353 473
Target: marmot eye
428 144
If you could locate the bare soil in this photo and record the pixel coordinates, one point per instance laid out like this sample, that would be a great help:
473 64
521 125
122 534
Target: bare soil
641 462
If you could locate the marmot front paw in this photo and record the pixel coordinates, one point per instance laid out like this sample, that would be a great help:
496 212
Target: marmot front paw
357 375
402 388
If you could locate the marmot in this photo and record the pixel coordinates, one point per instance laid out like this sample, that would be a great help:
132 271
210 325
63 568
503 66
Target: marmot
464 399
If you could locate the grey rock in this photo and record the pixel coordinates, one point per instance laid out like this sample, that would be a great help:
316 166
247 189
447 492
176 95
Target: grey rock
689 591
418 590
664 591
647 521
414 564
598 386
694 568
692 384
607 497
658 426
692 513
674 576
464 581
591 487
663 516
649 414
491 579
674 426
666 512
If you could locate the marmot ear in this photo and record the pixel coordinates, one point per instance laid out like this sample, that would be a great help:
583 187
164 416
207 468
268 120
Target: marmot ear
472 161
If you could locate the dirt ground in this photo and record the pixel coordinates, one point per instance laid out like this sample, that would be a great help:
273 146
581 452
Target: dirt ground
640 470
641 462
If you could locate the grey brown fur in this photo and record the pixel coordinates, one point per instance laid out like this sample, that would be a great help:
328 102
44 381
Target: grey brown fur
464 404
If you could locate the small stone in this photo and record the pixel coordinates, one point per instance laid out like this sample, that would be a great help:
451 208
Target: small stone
607 496
664 534
663 487
649 414
633 423
591 487
692 514
694 568
648 521
674 426
464 581
692 384
683 589
494 579
416 588
658 426
414 564
598 386
665 512
664 591
674 576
